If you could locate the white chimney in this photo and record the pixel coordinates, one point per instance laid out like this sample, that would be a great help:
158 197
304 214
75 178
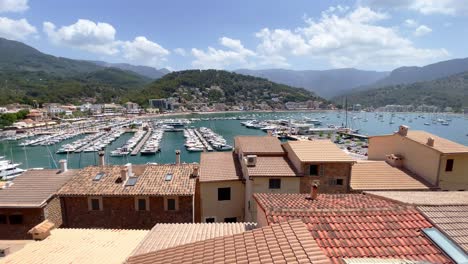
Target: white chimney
430 141
63 166
128 166
101 155
403 130
251 160
196 169
177 157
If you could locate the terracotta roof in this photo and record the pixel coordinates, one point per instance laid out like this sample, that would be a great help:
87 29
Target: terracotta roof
151 181
440 144
379 175
288 242
260 145
452 220
34 188
425 198
381 229
164 236
219 166
79 246
318 151
272 166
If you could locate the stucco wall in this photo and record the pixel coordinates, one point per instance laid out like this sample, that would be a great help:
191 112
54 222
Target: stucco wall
211 207
457 179
294 159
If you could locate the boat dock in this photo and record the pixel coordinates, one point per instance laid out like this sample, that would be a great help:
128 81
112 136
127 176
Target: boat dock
353 135
142 142
203 140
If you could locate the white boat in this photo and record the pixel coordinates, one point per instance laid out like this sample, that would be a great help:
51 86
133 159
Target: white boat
9 170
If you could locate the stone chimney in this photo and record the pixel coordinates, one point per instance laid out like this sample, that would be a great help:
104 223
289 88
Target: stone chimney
395 160
123 175
403 130
314 191
63 166
101 155
177 157
195 172
430 142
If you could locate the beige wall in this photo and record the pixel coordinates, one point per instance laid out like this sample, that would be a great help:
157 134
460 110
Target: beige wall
261 217
420 159
294 159
211 207
457 179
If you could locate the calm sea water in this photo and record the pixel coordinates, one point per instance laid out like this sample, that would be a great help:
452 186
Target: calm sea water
45 157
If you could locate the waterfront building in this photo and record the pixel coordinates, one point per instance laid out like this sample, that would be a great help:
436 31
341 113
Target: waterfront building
111 108
164 104
440 162
129 196
356 227
132 108
30 199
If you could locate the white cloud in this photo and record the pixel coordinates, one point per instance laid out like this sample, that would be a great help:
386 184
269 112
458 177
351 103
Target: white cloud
143 51
422 30
345 39
426 7
15 29
13 6
84 34
180 51
411 23
236 55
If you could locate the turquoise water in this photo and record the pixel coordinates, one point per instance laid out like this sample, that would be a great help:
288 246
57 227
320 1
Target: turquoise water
41 156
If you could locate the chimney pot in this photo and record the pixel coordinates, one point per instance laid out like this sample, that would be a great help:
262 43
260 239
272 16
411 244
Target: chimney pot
101 158
430 142
403 130
314 191
63 166
195 172
123 174
177 155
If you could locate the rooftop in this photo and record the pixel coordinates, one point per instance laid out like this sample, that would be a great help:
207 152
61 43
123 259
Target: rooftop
425 198
451 220
151 180
440 144
79 246
288 242
345 230
271 166
219 166
379 175
34 188
260 145
318 151
164 236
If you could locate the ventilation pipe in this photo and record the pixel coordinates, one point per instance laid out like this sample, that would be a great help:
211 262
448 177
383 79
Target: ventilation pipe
101 158
314 191
177 157
63 166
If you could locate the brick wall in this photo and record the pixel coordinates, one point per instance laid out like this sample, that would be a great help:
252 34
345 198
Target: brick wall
31 217
119 212
53 212
330 171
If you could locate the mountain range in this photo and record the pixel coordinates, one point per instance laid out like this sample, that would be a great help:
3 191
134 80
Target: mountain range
146 71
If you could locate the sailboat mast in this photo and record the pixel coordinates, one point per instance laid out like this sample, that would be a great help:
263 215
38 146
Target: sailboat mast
346 112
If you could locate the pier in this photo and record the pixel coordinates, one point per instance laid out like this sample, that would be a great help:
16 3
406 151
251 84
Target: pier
353 135
203 140
142 142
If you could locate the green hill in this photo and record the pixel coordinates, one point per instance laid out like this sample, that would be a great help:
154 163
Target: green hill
217 86
451 91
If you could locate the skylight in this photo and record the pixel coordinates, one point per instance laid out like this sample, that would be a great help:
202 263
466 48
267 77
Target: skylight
131 181
446 245
168 177
99 176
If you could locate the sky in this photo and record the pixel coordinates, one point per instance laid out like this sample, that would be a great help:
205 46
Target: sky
254 34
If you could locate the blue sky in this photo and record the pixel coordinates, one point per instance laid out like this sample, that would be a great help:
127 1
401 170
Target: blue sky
299 34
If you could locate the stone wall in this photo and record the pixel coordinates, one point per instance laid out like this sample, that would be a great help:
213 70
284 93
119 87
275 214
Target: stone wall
53 212
31 217
331 171
119 212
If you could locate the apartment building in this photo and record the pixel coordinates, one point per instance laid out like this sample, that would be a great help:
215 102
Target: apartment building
30 199
440 162
135 197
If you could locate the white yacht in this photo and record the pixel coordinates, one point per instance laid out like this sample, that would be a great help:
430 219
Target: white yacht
9 170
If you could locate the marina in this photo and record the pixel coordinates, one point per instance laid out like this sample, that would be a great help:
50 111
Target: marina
168 135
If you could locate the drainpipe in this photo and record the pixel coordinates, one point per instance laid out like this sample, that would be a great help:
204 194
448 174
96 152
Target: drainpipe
193 208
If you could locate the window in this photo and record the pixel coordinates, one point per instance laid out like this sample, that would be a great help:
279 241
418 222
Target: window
336 182
313 170
210 220
168 177
16 219
3 219
142 204
275 183
230 220
224 194
99 176
95 204
171 204
449 165
131 181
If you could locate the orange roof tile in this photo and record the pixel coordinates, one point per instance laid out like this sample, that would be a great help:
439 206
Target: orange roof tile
272 166
288 242
440 144
219 166
259 145
151 181
318 151
359 226
424 198
379 175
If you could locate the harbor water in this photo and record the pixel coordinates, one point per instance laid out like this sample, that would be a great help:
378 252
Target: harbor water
367 123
